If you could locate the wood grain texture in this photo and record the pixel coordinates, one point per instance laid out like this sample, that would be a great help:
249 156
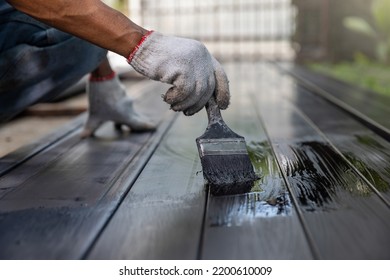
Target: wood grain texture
345 218
69 191
262 224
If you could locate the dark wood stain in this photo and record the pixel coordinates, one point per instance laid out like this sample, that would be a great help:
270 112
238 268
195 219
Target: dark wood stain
161 217
59 207
18 157
335 200
323 190
365 150
262 224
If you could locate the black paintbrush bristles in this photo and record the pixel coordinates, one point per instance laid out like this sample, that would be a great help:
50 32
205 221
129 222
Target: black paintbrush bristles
224 157
228 174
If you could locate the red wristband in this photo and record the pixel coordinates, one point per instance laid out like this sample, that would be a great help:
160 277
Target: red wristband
102 78
130 58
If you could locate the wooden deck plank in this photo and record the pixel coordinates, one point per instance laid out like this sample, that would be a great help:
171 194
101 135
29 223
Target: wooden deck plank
23 154
345 218
361 146
57 211
27 167
370 108
262 224
161 217
142 196
365 150
14 159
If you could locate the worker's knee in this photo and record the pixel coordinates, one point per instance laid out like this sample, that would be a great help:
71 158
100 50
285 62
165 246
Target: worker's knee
87 53
31 74
38 62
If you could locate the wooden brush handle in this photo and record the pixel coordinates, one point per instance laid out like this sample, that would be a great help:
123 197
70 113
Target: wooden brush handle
213 112
217 128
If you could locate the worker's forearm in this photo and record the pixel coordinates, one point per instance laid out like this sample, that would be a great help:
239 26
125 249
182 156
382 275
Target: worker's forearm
91 20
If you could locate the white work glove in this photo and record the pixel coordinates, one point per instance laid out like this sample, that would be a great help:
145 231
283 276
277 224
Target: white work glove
186 64
108 102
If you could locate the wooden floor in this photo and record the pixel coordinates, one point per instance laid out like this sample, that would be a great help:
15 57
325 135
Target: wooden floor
320 146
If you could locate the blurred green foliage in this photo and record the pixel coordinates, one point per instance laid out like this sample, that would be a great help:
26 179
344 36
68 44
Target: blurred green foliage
379 33
361 72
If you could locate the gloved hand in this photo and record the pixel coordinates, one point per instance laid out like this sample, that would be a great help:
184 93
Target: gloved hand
195 74
108 102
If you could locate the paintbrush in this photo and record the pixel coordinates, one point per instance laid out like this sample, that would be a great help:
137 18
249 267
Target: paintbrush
224 157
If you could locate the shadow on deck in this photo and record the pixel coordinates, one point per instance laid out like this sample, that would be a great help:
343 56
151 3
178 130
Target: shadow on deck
320 146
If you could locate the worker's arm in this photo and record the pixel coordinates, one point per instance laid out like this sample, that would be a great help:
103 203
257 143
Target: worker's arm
186 64
91 20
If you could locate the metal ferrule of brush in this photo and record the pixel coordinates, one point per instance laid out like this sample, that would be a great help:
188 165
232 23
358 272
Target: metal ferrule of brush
224 157
233 145
225 146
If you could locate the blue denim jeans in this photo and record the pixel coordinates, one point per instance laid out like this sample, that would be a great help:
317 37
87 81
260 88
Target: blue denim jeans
38 62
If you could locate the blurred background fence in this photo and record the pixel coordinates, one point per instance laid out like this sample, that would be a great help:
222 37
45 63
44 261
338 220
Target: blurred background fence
321 34
231 29
348 39
304 30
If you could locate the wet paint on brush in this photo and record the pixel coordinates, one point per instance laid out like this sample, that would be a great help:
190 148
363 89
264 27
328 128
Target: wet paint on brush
223 155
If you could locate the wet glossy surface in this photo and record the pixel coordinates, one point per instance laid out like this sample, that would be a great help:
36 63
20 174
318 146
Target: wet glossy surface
334 197
262 224
365 151
267 199
236 210
370 104
323 190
